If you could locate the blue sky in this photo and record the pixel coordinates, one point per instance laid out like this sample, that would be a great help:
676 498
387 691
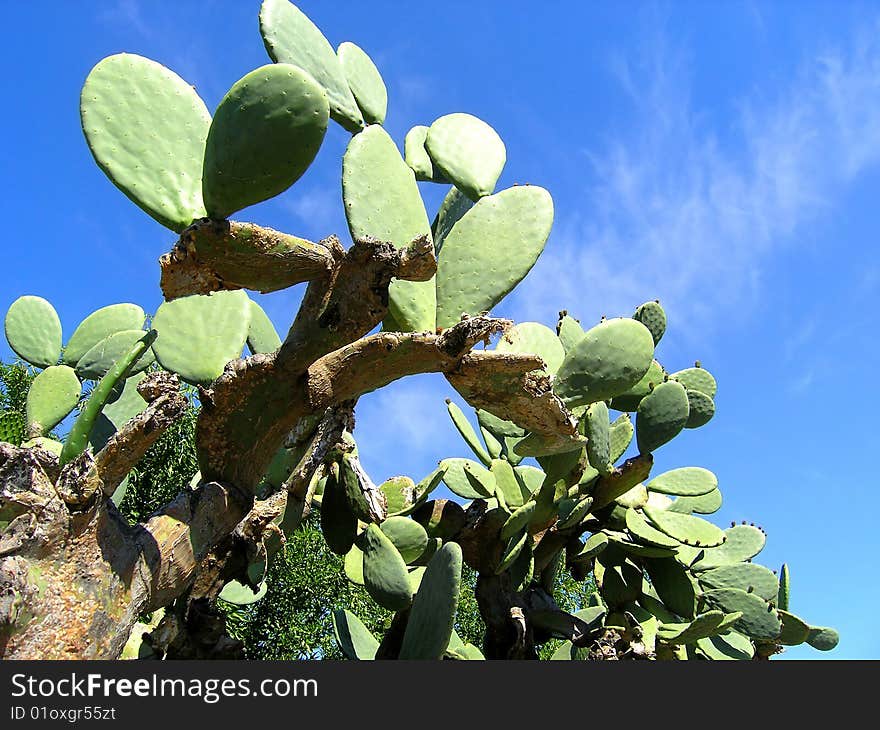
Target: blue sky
723 157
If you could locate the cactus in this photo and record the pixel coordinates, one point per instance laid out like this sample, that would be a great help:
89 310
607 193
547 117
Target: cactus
274 434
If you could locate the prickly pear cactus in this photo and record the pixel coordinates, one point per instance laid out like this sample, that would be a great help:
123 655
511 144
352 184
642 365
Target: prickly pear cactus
569 422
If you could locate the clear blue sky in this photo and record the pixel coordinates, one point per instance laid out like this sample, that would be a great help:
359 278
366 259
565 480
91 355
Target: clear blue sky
724 157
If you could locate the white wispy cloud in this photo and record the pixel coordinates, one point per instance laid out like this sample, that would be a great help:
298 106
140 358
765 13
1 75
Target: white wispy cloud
688 212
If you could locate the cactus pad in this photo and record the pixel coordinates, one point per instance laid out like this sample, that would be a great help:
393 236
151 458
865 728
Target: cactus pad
382 202
629 401
408 536
365 82
759 620
651 315
199 334
33 331
749 577
609 359
467 432
598 433
99 325
569 331
642 531
468 479
354 639
662 415
701 409
385 575
687 529
53 394
536 339
146 128
266 132
742 542
95 363
489 251
697 378
291 37
429 627
688 481
468 152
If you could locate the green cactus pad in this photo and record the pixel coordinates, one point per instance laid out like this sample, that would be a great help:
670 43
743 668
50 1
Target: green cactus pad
594 545
783 597
697 378
687 529
291 37
661 416
620 436
651 315
742 542
705 504
536 339
759 619
731 646
365 82
530 478
749 577
489 251
642 531
53 394
569 331
794 631
399 493
468 152
453 207
95 363
407 535
619 583
199 334
266 132
823 638
688 481
467 432
702 627
493 446
507 489
382 202
385 575
673 586
33 331
338 523
13 428
635 497
431 618
146 128
598 433
609 359
518 519
262 335
239 594
468 479
424 488
571 512
354 639
701 409
99 325
629 401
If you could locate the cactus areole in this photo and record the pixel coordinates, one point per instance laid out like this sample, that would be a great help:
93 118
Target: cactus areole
566 427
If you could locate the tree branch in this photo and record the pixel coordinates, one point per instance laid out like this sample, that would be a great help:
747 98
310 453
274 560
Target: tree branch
218 254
